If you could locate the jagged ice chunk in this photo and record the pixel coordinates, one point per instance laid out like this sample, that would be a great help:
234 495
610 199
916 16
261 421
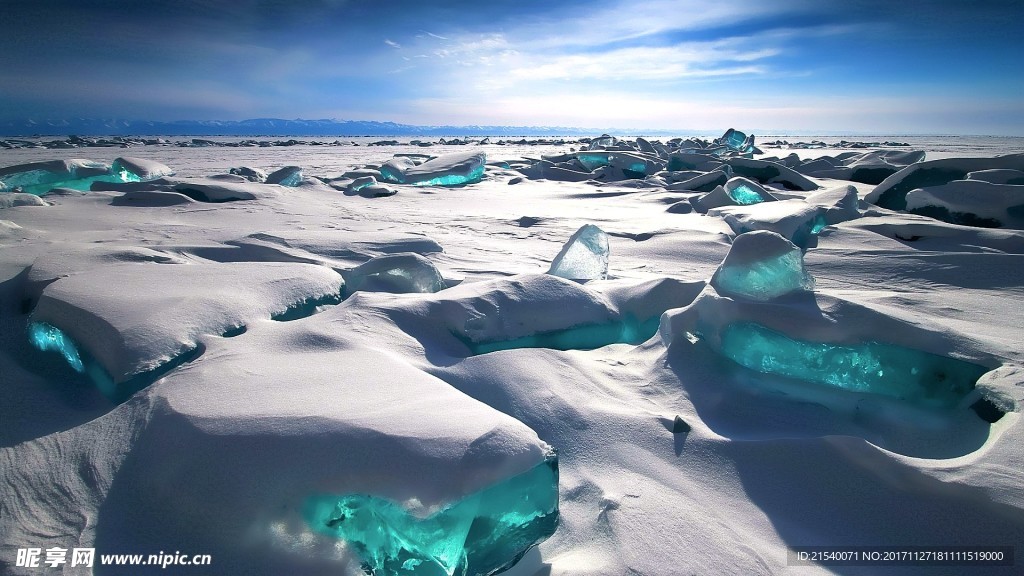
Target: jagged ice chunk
584 256
761 266
484 533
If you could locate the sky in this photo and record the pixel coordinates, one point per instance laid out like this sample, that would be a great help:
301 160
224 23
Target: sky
779 66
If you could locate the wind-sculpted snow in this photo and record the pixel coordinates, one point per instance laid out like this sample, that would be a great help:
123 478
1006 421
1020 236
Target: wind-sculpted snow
170 307
139 169
972 203
12 199
796 220
710 405
892 192
868 167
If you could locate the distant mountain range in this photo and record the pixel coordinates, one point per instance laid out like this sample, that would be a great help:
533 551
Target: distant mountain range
279 127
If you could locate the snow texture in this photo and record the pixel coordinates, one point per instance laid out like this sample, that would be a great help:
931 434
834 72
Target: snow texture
258 359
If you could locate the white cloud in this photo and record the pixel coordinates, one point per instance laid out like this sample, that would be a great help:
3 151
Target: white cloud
392 43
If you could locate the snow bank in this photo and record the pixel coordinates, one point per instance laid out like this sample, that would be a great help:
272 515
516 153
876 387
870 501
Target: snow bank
160 310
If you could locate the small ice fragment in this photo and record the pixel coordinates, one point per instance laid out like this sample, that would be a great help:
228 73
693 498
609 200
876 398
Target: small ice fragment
250 174
603 141
679 426
760 266
400 273
584 256
290 176
47 337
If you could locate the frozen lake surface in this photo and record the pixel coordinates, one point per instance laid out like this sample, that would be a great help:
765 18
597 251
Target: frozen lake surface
729 358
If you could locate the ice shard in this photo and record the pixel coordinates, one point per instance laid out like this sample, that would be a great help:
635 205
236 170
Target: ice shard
584 256
400 273
873 368
484 533
761 266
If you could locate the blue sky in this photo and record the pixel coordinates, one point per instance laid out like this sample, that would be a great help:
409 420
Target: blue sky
868 66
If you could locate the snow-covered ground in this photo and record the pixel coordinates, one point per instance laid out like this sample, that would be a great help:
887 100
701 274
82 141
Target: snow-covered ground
240 359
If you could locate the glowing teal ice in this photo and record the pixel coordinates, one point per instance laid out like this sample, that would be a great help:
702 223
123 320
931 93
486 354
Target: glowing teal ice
745 195
46 337
39 182
484 533
123 173
734 139
872 368
387 174
474 175
819 224
587 337
594 160
765 279
737 141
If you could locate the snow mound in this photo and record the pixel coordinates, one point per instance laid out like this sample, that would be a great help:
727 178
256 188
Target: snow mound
892 192
160 311
870 167
12 199
139 169
972 203
796 220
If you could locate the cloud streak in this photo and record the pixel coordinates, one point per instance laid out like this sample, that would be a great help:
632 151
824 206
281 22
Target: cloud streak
573 62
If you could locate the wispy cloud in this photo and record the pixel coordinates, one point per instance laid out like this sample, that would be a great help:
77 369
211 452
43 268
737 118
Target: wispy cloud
392 43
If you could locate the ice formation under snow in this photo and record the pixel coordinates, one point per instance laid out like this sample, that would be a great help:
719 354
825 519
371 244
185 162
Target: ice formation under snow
454 169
